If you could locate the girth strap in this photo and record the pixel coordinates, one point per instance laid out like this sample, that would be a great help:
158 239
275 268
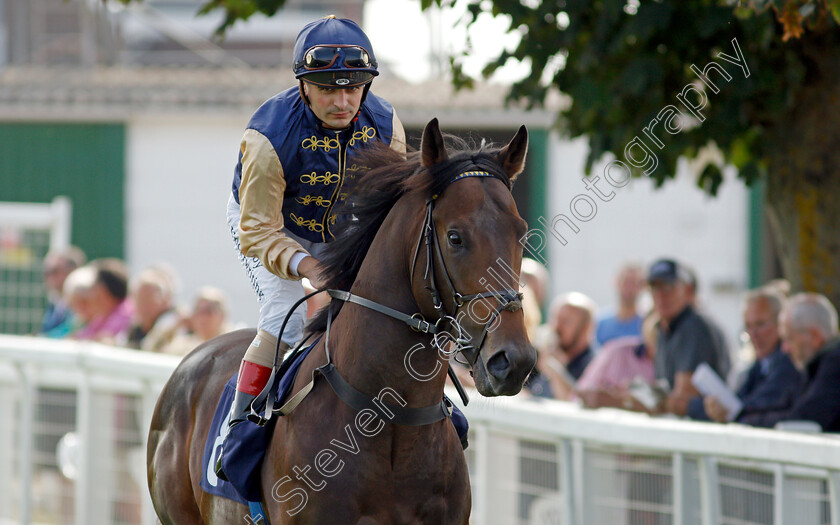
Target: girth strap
295 400
395 414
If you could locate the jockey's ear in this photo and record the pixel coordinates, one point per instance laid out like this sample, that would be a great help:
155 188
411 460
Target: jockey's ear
432 149
512 156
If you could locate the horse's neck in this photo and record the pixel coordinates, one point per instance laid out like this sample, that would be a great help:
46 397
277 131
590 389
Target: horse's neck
369 348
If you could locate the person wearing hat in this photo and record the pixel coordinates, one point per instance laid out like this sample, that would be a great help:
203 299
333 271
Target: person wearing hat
685 338
292 175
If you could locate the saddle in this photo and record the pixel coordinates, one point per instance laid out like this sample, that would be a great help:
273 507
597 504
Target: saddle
245 444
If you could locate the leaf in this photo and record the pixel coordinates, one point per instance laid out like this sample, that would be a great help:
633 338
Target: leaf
710 179
834 7
750 173
791 20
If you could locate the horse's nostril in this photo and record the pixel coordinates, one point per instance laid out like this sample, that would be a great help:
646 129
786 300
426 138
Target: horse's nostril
498 365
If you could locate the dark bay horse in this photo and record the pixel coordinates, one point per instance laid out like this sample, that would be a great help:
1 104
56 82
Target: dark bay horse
428 234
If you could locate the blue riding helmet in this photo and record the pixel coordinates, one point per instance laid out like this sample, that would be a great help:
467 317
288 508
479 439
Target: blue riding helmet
334 52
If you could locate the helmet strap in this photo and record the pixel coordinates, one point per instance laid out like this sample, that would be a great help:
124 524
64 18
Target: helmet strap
364 94
303 93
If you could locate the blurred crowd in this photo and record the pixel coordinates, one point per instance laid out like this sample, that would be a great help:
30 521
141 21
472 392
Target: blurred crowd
655 360
100 301
660 360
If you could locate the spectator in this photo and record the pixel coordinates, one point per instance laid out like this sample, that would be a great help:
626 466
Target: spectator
535 277
531 311
808 326
78 294
626 320
110 308
207 320
155 320
605 381
685 339
694 301
772 380
562 361
58 318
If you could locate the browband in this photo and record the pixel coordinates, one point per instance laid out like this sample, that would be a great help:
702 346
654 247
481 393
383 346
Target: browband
466 174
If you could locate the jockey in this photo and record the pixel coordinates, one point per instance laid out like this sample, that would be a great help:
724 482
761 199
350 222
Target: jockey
291 177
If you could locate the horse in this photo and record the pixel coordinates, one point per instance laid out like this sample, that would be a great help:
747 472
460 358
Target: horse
412 270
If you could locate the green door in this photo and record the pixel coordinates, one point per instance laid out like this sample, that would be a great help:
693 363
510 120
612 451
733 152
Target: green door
84 162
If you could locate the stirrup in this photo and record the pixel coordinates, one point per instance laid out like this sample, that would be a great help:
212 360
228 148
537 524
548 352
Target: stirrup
220 473
254 418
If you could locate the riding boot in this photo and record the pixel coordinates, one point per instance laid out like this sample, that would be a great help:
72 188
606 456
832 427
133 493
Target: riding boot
254 372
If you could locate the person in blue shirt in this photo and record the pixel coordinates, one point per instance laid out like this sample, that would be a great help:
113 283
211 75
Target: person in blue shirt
58 264
625 320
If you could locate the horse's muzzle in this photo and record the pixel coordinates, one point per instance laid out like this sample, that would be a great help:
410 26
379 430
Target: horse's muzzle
505 371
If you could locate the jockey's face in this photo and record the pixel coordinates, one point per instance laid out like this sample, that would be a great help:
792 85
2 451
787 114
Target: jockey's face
336 108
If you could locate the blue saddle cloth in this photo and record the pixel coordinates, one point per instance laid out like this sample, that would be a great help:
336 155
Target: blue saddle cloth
246 443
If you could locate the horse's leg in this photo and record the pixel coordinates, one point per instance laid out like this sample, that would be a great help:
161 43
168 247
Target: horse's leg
170 488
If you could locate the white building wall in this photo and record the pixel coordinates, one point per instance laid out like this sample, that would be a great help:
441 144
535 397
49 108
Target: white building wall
642 223
179 172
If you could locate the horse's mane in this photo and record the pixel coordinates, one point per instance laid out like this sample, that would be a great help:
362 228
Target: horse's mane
382 178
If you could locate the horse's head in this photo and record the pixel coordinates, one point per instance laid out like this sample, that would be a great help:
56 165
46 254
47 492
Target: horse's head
473 257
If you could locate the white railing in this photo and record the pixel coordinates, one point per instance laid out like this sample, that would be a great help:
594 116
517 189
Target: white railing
531 462
54 217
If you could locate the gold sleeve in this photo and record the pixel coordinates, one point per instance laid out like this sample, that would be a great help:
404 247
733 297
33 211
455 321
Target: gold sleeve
398 135
261 201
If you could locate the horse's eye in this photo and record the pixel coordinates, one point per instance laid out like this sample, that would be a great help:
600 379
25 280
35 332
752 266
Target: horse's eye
454 238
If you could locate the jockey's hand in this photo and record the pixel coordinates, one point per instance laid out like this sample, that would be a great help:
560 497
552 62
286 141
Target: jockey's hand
310 267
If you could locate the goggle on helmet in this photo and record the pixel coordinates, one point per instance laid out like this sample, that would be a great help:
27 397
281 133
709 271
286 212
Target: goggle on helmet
334 52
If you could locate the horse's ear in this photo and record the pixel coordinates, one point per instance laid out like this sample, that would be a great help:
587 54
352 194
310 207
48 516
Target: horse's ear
512 156
432 149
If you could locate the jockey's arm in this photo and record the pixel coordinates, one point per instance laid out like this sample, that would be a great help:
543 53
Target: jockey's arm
261 200
398 136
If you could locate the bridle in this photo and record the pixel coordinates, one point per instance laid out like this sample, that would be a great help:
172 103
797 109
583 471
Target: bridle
508 299
446 323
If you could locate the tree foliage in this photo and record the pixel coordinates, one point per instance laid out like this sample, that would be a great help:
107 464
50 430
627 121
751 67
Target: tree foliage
623 61
233 11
